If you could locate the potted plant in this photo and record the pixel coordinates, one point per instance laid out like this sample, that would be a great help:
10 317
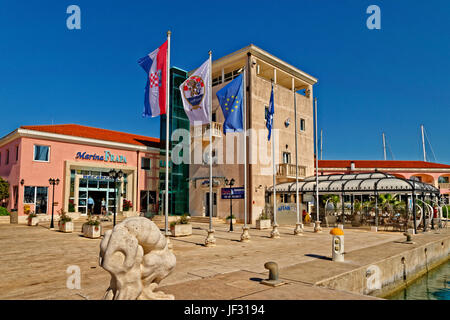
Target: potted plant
127 205
65 222
92 228
32 218
233 217
263 222
181 227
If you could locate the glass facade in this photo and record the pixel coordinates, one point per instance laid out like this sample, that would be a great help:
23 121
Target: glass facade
178 174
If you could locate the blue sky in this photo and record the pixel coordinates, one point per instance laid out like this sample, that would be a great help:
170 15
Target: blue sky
370 81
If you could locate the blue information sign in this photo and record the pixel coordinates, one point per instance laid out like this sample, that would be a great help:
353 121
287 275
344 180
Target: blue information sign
234 193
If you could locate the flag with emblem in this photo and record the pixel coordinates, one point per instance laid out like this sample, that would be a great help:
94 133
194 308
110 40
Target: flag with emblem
231 101
269 115
195 94
155 65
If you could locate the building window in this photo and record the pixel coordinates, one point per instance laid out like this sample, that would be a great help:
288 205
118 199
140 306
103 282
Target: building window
302 124
213 117
36 196
7 156
217 81
443 180
145 163
286 157
41 153
17 153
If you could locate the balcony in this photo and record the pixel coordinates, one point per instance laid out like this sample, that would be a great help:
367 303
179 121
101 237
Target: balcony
287 170
202 131
444 185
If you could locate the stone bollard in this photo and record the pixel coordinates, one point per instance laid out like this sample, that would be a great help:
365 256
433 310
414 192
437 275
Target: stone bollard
317 227
274 234
210 241
298 231
337 244
273 274
245 237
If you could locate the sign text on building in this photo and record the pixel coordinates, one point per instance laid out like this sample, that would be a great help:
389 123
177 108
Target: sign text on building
108 157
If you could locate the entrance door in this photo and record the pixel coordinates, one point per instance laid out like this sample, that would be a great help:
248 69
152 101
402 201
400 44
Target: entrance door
214 204
97 196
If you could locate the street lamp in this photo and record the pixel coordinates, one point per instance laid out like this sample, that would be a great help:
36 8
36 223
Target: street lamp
53 182
230 183
115 175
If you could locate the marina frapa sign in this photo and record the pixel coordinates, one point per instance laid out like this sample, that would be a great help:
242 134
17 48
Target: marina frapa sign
107 157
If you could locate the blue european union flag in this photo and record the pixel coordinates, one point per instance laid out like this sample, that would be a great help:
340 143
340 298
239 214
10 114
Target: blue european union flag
231 101
269 115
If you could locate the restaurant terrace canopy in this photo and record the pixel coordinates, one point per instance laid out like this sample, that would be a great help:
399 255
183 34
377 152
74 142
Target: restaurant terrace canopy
361 183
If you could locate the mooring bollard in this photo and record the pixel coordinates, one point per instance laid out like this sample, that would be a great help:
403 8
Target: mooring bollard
337 244
273 274
408 237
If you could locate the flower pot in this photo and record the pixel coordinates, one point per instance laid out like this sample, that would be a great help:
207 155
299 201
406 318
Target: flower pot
263 224
92 231
33 221
181 230
66 226
228 221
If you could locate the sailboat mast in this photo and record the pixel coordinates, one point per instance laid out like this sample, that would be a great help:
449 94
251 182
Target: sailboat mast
423 145
384 146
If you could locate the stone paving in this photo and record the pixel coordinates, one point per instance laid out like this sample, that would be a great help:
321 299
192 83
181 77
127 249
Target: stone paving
34 261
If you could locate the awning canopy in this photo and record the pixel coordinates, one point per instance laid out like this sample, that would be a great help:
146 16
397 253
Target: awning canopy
361 183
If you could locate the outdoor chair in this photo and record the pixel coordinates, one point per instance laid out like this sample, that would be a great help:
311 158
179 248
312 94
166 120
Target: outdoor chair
387 222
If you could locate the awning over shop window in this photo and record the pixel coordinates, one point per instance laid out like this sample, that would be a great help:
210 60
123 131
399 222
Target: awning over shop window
361 183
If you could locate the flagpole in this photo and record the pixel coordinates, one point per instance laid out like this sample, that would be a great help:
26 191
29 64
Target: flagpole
210 241
274 233
166 198
298 227
317 227
245 237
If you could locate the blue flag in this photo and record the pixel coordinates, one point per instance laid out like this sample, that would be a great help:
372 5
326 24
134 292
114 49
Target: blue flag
269 115
231 101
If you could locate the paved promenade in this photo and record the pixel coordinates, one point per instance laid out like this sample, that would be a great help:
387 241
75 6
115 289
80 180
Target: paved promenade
34 261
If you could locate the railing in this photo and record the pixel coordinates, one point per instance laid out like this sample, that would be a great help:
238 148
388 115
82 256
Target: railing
444 185
200 131
288 170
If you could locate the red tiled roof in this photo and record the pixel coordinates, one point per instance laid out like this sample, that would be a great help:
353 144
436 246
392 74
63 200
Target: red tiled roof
97 133
380 164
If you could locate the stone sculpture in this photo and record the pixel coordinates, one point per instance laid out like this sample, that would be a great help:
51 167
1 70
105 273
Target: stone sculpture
137 256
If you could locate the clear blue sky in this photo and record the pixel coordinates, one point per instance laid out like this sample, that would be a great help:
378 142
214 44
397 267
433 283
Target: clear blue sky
370 81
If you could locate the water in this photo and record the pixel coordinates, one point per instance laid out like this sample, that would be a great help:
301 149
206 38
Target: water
435 285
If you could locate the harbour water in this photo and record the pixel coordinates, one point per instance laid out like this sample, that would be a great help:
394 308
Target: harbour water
435 285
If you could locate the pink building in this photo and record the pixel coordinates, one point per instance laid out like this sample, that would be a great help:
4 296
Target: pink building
435 174
81 158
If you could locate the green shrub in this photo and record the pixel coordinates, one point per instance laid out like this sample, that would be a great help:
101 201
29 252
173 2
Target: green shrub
4 212
182 220
232 217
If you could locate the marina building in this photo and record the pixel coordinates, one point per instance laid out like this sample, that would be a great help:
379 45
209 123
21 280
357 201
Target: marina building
81 158
289 83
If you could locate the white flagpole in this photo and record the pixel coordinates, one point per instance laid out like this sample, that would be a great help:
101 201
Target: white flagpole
245 237
317 227
167 136
298 228
210 241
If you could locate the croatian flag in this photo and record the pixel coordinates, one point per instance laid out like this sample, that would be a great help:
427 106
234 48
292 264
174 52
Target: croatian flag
155 65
